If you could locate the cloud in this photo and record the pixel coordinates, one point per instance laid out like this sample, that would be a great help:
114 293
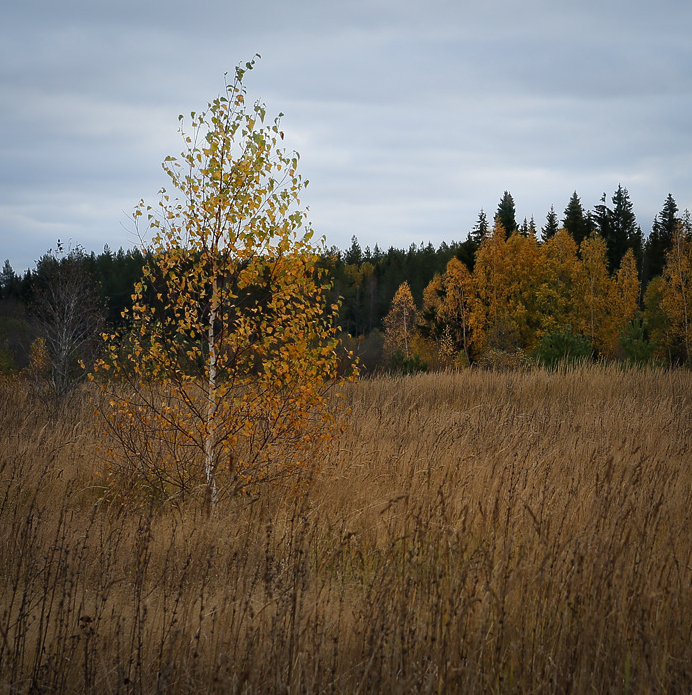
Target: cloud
409 116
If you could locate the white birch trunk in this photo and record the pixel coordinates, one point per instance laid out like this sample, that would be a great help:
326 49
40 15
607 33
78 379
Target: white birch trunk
210 440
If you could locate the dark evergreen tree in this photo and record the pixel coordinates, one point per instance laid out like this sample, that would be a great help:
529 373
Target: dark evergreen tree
8 280
660 239
354 255
480 229
577 222
551 226
526 228
117 275
506 213
532 226
25 287
618 226
466 253
625 227
601 217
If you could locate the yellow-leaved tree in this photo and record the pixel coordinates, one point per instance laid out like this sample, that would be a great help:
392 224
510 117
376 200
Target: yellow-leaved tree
400 323
556 295
624 299
492 320
676 291
593 293
525 276
221 380
447 306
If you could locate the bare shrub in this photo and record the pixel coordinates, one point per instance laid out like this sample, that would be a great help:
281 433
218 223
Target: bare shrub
68 317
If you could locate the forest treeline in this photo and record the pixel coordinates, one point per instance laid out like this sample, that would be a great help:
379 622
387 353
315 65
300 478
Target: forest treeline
587 283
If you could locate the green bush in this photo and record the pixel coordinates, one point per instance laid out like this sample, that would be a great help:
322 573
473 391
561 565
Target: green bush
635 343
561 346
400 364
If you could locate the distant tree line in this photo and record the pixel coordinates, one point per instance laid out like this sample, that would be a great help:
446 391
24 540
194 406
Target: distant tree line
365 281
591 287
52 313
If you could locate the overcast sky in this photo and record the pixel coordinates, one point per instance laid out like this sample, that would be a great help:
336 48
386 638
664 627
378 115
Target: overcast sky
409 116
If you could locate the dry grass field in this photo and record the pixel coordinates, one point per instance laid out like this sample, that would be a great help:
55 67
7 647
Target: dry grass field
475 532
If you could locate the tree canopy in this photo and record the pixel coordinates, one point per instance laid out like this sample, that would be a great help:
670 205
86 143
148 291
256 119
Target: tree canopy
230 346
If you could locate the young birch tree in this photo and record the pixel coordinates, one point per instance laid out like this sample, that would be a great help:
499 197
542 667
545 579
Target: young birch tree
222 378
400 322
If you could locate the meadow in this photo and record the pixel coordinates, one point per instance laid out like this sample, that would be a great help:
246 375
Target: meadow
470 532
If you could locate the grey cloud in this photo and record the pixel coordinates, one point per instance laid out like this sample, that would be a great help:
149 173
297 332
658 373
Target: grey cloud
409 116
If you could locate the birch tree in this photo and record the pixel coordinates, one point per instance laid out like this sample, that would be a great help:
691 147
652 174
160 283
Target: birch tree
593 292
400 323
222 379
677 290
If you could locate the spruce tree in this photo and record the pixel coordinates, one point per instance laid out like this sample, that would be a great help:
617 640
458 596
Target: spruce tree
618 226
551 225
354 256
625 228
8 279
528 227
602 219
506 214
660 239
577 222
532 226
480 229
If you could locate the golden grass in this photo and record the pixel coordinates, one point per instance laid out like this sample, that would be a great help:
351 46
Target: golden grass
472 532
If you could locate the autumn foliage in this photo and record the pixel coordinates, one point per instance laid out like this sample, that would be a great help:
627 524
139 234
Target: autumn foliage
514 297
220 380
400 323
521 290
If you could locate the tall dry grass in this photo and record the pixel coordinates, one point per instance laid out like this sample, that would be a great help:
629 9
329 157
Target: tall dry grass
473 532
